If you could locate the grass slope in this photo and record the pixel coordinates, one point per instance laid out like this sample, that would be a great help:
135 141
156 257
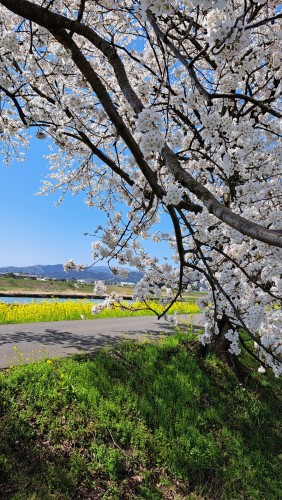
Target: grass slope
140 421
32 286
55 287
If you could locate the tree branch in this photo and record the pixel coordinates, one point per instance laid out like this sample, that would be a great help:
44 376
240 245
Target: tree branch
224 214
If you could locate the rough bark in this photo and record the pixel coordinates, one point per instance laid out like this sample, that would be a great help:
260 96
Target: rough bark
221 346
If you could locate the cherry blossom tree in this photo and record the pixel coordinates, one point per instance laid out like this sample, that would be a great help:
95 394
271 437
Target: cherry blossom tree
171 109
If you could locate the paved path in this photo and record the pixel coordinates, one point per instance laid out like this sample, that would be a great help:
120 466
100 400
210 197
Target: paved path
22 343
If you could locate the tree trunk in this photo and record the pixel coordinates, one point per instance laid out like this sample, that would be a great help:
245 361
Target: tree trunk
221 346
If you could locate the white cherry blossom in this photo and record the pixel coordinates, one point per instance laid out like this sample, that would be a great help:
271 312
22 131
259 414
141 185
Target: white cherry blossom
167 110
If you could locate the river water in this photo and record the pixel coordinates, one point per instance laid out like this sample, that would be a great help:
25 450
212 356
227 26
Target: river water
28 300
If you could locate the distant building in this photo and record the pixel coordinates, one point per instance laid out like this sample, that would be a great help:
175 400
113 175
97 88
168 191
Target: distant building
25 276
126 283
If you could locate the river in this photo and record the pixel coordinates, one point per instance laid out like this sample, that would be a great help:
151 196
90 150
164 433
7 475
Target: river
28 300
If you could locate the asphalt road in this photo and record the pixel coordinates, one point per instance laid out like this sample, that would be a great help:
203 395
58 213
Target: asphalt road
23 343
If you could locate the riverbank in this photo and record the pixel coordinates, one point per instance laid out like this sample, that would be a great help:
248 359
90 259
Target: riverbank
15 287
56 295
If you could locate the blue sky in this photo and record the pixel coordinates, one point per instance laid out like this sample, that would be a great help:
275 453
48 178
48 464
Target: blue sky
35 231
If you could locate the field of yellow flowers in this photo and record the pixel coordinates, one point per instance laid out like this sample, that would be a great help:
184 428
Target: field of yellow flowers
59 311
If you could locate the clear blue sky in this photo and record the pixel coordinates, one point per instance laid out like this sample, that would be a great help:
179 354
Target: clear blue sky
35 231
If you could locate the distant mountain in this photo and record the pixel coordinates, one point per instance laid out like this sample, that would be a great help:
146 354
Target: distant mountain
57 271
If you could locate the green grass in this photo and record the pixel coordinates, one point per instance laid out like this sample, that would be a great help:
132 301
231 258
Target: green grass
69 310
139 421
9 285
53 286
26 285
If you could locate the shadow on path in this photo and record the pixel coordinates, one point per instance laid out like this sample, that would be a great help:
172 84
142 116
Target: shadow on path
25 343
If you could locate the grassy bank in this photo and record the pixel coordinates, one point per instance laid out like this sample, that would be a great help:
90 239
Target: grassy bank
34 286
81 309
55 288
140 421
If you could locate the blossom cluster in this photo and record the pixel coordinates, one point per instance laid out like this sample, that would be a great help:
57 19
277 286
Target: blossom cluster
158 7
173 195
202 77
165 7
99 288
148 124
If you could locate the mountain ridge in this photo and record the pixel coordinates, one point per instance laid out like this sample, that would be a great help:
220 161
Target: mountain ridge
57 271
